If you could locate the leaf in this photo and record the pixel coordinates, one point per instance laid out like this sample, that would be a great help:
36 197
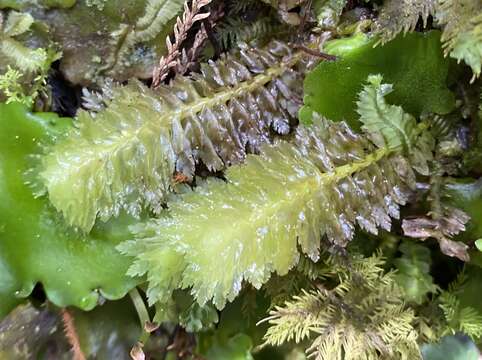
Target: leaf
278 201
35 246
124 157
462 34
23 57
414 63
413 274
451 222
478 244
386 125
451 348
17 23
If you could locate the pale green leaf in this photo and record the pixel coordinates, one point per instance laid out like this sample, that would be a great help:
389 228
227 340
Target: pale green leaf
24 58
17 23
124 157
271 207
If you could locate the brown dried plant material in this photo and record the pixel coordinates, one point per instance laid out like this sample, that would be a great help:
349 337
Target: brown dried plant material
181 28
188 58
441 228
71 335
137 353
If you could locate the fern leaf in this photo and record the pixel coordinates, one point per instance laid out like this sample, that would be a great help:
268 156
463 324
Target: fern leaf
235 30
123 157
388 125
397 16
362 317
462 35
276 202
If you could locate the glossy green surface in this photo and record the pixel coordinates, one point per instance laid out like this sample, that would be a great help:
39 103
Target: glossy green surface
413 63
35 246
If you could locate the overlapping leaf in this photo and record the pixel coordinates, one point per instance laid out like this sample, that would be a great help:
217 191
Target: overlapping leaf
252 225
123 157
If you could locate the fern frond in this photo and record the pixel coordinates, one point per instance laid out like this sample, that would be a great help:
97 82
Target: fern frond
289 196
157 14
460 319
363 317
181 28
388 125
235 30
397 16
123 157
462 34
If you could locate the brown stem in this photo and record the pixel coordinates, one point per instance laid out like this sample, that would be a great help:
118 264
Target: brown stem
71 335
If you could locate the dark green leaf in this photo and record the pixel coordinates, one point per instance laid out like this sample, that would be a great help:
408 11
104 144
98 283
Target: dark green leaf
35 246
414 63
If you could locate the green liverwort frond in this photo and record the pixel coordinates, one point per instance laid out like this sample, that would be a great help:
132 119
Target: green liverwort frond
362 317
397 16
462 35
124 157
278 203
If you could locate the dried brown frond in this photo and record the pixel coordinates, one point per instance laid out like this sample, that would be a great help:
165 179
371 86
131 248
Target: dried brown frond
71 335
181 28
188 58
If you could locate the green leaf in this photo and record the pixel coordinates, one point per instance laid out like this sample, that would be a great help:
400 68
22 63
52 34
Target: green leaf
35 246
386 125
478 244
451 348
124 157
17 23
413 274
414 63
275 204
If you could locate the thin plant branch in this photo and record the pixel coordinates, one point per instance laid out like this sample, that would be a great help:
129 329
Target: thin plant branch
71 335
181 28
